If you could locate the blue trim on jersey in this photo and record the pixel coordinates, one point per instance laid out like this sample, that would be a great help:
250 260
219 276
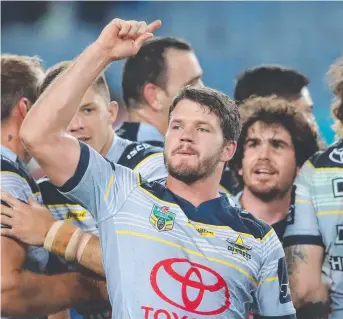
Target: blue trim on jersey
275 317
217 211
303 240
81 169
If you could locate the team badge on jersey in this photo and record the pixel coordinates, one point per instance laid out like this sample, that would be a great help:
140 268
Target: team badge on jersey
162 218
337 155
238 247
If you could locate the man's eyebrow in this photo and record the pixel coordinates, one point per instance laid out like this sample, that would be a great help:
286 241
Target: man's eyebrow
86 105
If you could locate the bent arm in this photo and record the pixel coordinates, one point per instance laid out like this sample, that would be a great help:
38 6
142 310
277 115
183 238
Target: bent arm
304 269
44 128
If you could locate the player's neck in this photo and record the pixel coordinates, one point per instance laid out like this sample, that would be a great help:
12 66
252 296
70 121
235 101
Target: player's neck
10 139
108 143
271 212
143 114
196 193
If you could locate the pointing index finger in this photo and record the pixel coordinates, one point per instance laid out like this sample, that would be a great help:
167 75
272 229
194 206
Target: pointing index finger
154 26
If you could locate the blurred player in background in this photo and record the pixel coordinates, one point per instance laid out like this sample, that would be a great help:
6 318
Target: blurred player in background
275 142
149 236
24 292
314 241
151 79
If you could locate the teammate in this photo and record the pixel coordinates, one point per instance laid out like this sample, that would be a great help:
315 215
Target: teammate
151 79
24 292
275 142
314 241
151 249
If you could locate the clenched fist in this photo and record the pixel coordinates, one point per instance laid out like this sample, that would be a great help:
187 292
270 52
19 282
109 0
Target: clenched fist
121 39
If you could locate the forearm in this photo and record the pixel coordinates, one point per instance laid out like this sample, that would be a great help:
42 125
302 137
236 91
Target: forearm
69 242
39 295
55 108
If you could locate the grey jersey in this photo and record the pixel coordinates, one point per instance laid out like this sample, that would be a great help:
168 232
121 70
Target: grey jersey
16 181
164 257
318 217
143 158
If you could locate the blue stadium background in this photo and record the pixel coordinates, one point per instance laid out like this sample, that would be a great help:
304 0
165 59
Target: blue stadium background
227 36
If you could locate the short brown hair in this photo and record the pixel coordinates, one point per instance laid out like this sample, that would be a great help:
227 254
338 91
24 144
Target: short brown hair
20 77
100 83
218 103
275 110
335 75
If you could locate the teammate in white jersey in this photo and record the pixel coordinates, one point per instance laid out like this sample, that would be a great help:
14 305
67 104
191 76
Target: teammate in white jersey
156 259
24 292
314 239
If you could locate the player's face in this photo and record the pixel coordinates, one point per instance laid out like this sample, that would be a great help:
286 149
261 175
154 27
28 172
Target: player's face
182 69
269 163
194 144
93 121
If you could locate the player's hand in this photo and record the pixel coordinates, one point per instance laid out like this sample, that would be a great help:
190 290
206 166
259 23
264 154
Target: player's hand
28 223
121 39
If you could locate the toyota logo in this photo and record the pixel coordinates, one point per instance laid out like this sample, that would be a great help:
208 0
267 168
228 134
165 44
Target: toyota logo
192 278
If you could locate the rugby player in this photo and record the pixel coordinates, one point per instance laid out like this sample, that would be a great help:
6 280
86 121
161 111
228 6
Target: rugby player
152 250
266 80
92 124
151 79
314 240
275 142
25 292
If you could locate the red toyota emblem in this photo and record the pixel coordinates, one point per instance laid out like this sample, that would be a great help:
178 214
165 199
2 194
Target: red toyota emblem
195 271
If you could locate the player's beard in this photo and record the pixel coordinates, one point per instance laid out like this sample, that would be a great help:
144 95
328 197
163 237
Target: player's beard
272 193
190 175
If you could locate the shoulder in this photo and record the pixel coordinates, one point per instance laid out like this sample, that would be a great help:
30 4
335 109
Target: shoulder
255 227
12 172
331 157
135 153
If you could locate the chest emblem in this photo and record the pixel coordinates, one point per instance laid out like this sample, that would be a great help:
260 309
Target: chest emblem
162 218
238 247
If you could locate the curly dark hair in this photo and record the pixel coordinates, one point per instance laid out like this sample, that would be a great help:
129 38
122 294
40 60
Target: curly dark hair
274 110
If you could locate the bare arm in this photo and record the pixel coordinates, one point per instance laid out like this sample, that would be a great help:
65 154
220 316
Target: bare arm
25 293
31 224
44 129
304 269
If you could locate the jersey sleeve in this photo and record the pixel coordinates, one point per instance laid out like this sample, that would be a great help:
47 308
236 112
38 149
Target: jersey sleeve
303 227
152 168
99 185
272 297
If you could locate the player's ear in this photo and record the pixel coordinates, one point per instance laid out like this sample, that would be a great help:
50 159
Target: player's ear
113 110
23 106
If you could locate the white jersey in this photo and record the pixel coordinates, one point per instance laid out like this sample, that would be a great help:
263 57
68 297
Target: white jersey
318 217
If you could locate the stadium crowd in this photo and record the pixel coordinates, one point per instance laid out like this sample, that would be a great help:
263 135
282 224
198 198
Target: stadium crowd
198 206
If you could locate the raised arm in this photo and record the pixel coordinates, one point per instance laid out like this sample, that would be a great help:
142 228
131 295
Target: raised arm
44 129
